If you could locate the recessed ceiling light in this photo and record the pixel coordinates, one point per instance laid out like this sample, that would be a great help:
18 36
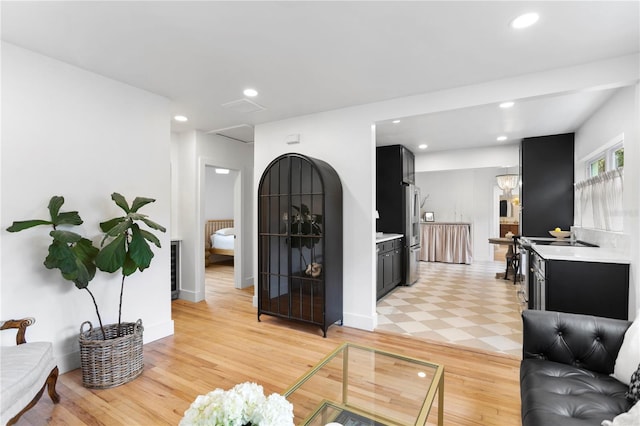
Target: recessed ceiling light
508 104
423 146
395 121
222 171
525 20
250 92
180 118
501 138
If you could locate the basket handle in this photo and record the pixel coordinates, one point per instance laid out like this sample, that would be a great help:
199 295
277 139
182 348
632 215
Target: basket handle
138 327
82 326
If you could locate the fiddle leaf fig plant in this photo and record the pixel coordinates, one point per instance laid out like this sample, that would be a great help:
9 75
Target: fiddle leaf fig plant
128 247
69 252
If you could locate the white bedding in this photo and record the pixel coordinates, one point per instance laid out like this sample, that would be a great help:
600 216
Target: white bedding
219 241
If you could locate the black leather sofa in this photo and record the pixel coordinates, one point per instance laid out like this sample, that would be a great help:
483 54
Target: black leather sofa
566 363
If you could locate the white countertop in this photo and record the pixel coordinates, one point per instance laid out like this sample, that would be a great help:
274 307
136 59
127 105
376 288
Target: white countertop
380 238
582 254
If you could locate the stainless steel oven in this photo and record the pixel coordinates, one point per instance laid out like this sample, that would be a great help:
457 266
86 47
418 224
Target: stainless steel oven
537 287
523 292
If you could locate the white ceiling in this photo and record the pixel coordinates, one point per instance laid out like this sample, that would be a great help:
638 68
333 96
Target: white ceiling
480 126
306 57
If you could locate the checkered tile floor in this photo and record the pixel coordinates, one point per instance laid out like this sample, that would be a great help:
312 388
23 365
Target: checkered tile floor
459 304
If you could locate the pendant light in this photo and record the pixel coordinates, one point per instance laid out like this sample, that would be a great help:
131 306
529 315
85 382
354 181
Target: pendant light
507 183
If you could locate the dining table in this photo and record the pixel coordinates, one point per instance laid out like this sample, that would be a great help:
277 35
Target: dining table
510 243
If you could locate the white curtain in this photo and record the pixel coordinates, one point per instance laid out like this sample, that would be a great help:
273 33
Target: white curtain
599 201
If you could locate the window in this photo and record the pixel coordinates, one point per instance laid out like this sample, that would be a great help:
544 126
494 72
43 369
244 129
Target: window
598 198
597 167
610 159
618 157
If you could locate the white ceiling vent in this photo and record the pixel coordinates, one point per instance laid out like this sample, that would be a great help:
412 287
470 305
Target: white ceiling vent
244 106
241 132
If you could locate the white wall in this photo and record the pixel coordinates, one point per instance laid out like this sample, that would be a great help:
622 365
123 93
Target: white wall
219 194
464 196
69 132
619 115
192 153
343 139
456 159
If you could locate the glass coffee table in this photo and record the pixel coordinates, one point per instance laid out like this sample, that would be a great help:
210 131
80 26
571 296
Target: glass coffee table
360 386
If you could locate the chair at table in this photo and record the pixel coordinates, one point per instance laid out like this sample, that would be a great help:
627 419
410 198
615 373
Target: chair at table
26 369
515 259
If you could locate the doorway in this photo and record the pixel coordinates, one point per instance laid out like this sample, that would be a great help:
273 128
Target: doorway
220 225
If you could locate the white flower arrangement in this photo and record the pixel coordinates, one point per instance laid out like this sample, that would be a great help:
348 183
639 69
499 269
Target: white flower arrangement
244 404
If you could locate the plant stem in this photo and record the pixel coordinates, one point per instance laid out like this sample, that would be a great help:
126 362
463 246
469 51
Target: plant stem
104 336
120 306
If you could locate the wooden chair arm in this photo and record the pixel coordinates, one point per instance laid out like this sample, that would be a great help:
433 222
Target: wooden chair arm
21 325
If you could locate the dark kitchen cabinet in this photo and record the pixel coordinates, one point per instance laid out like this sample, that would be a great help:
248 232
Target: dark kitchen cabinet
395 166
389 266
547 173
593 288
300 241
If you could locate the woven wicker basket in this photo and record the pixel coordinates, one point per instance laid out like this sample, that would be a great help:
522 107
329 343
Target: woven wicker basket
112 362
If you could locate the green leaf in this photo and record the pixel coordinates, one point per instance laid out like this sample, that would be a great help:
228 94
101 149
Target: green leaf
68 218
111 257
139 202
83 276
137 216
120 201
61 257
139 249
129 266
150 237
120 228
26 224
67 237
106 226
54 206
153 225
85 254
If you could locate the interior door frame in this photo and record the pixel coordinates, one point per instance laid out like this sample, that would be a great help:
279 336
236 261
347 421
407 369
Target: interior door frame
205 162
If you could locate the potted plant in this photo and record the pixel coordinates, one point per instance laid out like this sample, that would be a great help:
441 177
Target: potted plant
112 354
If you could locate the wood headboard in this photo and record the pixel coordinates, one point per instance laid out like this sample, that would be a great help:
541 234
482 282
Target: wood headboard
212 226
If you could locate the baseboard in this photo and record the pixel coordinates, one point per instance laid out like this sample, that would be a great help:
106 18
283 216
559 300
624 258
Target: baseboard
361 322
190 296
71 360
157 331
247 282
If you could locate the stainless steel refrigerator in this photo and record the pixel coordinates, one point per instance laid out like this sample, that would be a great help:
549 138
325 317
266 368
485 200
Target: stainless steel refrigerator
411 201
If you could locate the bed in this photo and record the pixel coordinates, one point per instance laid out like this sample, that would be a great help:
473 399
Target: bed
219 238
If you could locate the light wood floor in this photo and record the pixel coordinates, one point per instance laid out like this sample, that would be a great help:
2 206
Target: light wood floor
218 343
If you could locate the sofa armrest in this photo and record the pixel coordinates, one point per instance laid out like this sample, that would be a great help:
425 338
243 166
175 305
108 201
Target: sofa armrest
580 340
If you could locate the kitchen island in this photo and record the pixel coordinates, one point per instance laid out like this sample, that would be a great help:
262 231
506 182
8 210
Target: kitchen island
581 280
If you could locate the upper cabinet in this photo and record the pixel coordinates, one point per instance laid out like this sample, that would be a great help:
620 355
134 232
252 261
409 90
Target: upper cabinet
395 164
394 169
547 172
300 241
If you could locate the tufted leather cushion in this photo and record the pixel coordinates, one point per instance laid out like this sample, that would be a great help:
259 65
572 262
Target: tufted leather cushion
565 372
580 340
560 394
